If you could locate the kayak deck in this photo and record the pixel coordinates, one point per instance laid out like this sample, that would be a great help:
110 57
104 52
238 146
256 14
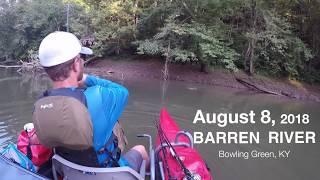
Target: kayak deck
182 142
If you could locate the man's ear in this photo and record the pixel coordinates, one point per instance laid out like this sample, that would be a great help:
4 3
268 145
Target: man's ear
75 66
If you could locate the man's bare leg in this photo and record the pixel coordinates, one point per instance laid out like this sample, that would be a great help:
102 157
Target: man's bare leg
142 150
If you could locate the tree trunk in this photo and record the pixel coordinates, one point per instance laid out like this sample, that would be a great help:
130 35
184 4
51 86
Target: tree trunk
249 56
135 16
251 59
118 47
203 67
246 57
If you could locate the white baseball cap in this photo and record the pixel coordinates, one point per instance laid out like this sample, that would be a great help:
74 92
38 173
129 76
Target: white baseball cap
59 47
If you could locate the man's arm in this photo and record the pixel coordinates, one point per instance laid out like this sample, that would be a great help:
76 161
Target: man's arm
113 95
90 80
114 100
106 101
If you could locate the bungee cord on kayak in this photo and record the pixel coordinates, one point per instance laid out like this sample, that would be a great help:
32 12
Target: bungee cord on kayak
164 138
164 155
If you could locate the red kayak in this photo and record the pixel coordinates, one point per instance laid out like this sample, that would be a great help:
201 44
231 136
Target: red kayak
189 157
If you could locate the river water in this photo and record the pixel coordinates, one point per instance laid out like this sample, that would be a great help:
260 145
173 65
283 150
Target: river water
182 100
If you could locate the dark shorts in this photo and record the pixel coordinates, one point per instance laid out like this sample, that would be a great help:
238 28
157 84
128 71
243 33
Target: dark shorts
134 159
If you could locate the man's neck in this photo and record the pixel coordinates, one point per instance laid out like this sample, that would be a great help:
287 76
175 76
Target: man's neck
65 83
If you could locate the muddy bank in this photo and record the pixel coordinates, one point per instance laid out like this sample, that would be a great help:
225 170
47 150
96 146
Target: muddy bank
126 69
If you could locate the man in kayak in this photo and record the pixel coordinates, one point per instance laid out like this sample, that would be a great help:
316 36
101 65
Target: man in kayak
78 115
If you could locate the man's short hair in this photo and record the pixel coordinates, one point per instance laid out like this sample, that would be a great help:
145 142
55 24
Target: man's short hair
60 72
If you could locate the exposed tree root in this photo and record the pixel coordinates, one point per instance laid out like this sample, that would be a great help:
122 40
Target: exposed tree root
255 87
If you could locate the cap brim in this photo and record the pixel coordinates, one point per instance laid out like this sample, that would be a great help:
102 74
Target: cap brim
85 50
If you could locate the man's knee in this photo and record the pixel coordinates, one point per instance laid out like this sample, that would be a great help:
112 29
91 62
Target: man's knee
142 150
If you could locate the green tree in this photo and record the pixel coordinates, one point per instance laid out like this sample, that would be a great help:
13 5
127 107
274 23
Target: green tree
8 40
274 37
113 24
24 23
267 40
194 31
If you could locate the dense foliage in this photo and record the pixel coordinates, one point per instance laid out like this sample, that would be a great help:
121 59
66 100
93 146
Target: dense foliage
273 37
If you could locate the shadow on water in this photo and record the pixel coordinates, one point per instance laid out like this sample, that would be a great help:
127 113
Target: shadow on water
18 94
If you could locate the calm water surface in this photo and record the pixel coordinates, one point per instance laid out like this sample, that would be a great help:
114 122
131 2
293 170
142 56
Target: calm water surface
18 94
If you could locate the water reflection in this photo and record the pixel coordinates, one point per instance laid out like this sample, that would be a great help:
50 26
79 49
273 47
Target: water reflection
17 94
38 82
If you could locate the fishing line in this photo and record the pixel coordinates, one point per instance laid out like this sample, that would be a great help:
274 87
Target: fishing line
165 77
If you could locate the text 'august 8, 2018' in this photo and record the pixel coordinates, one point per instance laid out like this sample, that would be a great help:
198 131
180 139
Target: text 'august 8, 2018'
222 120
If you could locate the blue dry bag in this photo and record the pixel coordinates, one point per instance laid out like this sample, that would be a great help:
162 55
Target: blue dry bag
11 152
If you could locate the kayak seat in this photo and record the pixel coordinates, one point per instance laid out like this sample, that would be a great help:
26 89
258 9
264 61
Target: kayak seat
72 171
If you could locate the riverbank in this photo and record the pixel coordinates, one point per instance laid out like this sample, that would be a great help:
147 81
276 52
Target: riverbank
125 69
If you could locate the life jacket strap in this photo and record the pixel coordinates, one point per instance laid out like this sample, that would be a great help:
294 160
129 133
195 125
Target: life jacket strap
114 155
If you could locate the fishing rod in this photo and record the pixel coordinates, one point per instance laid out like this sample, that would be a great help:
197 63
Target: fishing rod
164 154
173 152
162 136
